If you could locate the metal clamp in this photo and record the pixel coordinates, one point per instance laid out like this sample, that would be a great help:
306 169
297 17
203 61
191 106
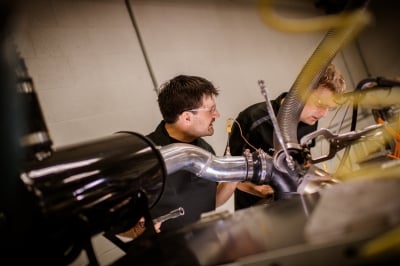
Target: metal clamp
339 141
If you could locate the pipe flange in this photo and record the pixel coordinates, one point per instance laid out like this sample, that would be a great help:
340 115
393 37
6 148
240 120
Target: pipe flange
263 160
280 160
250 167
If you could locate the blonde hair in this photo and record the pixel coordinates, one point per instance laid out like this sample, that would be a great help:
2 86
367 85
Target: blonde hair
333 79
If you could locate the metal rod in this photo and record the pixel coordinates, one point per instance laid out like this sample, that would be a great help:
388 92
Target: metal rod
277 129
171 215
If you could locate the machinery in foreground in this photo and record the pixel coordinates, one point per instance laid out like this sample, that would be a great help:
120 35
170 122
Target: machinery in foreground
54 201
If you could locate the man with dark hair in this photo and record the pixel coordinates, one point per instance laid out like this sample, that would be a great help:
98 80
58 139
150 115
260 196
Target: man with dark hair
188 107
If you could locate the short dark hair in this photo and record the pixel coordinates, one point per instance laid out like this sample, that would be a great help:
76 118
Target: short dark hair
183 93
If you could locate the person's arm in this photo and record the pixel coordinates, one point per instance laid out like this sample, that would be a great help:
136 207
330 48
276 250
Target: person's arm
226 189
224 192
258 190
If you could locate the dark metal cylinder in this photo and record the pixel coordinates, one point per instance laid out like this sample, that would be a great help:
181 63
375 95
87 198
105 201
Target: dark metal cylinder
101 175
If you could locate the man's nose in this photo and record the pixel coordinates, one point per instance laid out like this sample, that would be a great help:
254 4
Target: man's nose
323 111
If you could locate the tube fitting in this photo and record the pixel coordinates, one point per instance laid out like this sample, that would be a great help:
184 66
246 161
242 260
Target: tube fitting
257 167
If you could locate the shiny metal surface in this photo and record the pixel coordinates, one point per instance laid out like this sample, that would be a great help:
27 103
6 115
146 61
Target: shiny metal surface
96 174
228 238
171 215
180 156
340 141
256 167
328 228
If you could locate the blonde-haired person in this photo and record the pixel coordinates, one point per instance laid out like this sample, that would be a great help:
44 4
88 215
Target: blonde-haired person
257 128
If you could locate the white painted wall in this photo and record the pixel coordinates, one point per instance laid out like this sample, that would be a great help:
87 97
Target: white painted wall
92 79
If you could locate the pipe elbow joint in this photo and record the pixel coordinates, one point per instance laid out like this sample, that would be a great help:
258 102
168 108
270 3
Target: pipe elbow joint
264 172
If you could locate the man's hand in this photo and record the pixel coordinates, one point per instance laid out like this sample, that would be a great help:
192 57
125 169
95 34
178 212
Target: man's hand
261 191
264 190
139 228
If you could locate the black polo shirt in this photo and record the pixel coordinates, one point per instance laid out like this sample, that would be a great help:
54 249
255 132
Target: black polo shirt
257 128
183 189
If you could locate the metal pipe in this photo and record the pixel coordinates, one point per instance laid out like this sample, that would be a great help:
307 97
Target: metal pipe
105 174
257 167
180 156
171 215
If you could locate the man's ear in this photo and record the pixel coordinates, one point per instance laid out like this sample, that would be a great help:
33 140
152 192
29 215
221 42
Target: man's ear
186 116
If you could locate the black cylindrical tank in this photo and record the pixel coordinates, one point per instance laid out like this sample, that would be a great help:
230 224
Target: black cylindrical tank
100 179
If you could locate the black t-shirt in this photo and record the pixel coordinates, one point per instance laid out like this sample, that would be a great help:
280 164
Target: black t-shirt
184 189
257 128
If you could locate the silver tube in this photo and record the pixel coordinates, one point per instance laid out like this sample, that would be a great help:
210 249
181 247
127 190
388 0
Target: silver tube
277 129
257 167
171 215
180 156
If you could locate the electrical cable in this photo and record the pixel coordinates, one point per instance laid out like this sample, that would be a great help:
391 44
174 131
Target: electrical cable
229 124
